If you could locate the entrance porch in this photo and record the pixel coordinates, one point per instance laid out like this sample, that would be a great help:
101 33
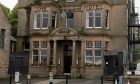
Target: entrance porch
66 56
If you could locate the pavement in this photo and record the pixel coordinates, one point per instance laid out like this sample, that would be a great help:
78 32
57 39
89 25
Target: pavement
38 80
84 81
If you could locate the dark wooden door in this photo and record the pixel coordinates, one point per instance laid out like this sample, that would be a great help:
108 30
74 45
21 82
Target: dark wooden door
67 57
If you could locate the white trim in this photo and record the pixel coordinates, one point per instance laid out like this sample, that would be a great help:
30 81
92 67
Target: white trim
70 0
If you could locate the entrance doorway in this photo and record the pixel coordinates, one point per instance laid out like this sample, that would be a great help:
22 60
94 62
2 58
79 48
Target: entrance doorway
67 52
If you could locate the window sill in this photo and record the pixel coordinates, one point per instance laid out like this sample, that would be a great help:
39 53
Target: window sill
92 65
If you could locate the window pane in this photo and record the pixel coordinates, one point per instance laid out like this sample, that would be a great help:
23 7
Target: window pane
106 18
89 44
44 44
43 60
35 52
35 60
53 20
97 44
97 52
89 59
89 53
90 22
43 57
35 44
97 21
98 60
45 15
45 22
70 23
98 12
89 18
43 52
70 17
38 20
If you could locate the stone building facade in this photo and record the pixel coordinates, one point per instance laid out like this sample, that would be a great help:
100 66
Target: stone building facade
71 36
4 43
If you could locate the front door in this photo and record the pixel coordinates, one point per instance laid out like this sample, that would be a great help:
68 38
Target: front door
67 57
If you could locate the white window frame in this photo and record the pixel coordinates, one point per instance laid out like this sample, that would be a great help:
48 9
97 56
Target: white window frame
94 17
71 1
89 48
41 19
35 20
87 18
39 52
96 56
55 19
98 16
98 47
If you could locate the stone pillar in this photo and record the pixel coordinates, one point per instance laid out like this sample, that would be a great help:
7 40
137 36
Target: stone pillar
54 52
73 53
73 68
54 57
82 68
48 53
102 53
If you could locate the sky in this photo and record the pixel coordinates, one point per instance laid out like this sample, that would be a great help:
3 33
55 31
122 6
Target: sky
11 3
137 4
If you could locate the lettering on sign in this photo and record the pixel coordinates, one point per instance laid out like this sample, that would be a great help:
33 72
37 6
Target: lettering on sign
92 6
72 10
76 9
41 8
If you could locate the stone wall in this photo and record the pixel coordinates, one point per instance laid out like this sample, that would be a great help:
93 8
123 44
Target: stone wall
4 52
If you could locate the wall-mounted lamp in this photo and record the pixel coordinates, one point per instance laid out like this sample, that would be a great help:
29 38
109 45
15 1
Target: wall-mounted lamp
59 61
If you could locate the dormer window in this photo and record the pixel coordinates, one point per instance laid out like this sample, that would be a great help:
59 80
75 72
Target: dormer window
70 0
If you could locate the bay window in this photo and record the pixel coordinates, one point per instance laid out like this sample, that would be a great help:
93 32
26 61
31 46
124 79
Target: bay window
93 18
97 18
41 20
